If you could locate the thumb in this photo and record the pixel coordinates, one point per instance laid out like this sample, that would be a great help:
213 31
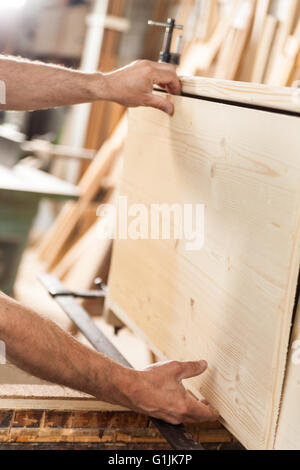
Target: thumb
159 102
191 369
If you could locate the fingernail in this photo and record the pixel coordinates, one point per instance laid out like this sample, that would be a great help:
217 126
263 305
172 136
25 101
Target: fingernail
171 110
213 410
203 363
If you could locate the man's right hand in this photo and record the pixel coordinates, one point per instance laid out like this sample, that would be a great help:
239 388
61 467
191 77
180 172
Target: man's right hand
159 392
132 86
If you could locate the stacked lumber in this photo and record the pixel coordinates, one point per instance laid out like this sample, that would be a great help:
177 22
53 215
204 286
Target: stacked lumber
104 116
246 40
71 248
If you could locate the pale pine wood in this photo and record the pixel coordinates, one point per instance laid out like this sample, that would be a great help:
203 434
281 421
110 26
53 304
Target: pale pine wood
284 30
286 98
285 62
264 48
232 50
230 303
201 55
261 10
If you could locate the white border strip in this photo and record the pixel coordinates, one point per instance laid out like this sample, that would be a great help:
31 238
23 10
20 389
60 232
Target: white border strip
2 92
2 353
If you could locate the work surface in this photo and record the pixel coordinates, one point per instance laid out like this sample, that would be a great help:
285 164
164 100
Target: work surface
96 430
232 301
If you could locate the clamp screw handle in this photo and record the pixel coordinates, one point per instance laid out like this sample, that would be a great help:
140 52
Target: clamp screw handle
166 55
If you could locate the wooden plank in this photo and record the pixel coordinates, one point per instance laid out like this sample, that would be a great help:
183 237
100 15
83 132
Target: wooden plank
234 44
277 97
262 7
231 302
263 50
200 55
286 62
286 12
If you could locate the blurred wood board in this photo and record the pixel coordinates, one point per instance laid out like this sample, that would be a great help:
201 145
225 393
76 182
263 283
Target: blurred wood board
263 51
231 302
19 390
261 10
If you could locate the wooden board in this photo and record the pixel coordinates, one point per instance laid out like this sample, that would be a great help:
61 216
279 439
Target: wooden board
286 98
231 302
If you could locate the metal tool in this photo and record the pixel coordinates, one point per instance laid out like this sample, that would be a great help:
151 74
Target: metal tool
177 436
166 55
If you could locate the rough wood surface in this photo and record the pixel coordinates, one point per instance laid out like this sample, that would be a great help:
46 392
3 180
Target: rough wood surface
231 302
110 429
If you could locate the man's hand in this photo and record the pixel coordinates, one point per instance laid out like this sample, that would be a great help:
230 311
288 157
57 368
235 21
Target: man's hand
132 86
160 393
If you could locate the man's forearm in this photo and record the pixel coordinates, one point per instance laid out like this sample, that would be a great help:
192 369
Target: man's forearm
34 85
41 348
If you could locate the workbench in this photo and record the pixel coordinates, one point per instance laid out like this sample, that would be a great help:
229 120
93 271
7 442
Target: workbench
95 430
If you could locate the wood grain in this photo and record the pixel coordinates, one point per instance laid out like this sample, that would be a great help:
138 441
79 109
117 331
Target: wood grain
286 98
230 303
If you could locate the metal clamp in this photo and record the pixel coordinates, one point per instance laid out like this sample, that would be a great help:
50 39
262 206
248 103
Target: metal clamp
177 436
56 289
166 55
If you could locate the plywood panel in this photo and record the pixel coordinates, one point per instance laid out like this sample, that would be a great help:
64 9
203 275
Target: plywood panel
231 302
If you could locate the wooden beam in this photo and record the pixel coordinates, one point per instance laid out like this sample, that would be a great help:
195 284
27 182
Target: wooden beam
263 50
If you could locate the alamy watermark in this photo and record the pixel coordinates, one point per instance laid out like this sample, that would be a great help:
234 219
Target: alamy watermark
2 92
2 352
152 222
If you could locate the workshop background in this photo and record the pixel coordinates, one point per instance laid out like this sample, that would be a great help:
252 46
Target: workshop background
57 166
